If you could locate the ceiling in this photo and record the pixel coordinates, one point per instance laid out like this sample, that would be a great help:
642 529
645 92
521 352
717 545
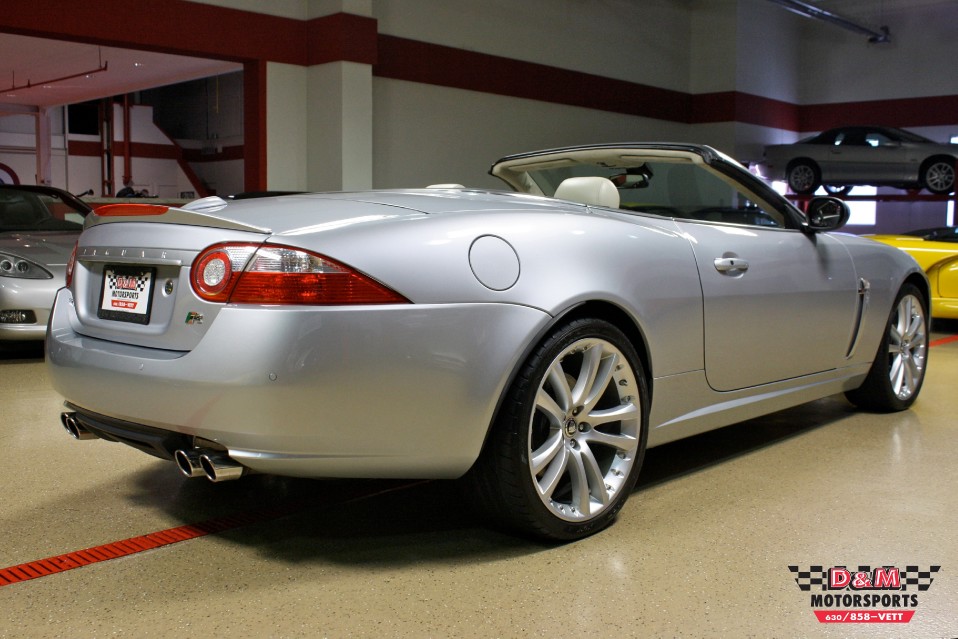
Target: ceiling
36 72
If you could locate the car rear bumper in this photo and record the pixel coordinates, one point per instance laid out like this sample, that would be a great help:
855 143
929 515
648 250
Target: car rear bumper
375 391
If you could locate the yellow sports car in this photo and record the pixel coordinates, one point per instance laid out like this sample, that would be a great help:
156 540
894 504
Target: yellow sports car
936 250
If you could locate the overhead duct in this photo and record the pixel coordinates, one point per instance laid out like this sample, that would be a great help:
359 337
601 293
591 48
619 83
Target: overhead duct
809 11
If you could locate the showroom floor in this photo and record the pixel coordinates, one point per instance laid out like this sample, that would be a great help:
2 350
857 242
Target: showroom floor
703 548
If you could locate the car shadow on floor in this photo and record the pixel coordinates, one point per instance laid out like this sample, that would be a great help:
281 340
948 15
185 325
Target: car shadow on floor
398 523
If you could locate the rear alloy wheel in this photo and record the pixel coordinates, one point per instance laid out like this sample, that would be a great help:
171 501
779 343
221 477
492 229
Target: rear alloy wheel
566 449
938 175
803 177
896 375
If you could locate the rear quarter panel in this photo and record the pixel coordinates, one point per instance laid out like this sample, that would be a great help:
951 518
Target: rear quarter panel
564 259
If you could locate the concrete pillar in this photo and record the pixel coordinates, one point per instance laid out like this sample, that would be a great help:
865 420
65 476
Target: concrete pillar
44 145
340 126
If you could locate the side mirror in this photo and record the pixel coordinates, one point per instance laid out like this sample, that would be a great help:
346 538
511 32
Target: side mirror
826 214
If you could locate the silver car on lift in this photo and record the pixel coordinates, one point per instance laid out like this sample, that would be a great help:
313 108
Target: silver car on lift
535 341
841 158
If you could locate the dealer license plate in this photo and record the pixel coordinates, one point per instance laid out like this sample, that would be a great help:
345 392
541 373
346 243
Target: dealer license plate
127 294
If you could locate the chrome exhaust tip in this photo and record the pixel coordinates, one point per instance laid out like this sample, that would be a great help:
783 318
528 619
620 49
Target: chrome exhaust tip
74 428
219 466
189 462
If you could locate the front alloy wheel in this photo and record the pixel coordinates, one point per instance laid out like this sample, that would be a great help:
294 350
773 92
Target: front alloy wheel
566 449
938 175
803 177
896 375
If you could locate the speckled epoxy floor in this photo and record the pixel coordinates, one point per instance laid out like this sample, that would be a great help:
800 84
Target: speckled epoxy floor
701 550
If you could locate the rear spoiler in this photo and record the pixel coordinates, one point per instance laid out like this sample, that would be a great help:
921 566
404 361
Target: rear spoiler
196 213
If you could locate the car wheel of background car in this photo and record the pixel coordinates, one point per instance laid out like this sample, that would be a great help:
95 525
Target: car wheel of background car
898 371
803 177
566 449
838 190
938 174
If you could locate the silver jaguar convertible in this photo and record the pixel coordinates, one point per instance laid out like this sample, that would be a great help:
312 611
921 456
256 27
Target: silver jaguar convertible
535 341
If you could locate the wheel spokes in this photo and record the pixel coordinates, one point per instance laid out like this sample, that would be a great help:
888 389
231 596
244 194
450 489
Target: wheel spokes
585 429
907 343
547 452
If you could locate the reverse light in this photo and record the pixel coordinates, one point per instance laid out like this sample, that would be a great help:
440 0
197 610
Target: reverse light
274 274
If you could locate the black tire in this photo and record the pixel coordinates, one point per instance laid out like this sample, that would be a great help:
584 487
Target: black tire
803 177
587 461
898 372
938 174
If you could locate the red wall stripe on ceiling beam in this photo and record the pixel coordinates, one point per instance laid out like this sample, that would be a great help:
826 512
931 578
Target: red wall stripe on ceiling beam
166 26
342 37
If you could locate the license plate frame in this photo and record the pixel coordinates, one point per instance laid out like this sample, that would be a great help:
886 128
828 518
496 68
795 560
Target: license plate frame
126 293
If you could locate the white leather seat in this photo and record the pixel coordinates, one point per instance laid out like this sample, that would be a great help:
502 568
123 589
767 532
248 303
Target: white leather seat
591 190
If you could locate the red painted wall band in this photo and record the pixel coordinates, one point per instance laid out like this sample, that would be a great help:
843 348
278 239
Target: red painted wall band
415 61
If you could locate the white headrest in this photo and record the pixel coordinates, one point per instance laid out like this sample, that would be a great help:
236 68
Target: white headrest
591 190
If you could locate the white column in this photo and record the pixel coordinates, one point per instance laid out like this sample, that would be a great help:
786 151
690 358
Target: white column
340 127
44 147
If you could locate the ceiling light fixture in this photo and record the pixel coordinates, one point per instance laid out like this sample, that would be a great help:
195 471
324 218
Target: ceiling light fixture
881 36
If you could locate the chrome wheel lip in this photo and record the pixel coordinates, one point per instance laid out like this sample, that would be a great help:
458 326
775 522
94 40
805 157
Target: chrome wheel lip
907 347
593 419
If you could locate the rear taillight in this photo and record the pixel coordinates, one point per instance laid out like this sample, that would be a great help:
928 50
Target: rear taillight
272 274
71 264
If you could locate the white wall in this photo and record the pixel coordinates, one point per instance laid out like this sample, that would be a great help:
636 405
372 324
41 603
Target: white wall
427 134
841 66
645 42
286 123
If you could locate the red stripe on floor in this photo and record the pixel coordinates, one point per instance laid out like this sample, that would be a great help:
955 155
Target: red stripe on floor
944 340
134 545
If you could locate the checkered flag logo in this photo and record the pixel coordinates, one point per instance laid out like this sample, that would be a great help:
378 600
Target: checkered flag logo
128 282
815 576
912 577
915 576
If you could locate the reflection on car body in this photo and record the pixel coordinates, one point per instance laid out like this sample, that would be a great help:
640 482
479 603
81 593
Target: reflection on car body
535 342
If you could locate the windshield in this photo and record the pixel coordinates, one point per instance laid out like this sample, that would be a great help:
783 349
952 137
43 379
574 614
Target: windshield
672 188
34 211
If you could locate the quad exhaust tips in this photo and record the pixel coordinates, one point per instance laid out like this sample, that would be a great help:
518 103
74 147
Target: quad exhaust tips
72 426
216 465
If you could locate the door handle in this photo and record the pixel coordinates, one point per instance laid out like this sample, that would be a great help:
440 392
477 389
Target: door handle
731 265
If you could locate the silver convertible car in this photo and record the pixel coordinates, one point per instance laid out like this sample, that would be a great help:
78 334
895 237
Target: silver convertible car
876 155
535 341
39 226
